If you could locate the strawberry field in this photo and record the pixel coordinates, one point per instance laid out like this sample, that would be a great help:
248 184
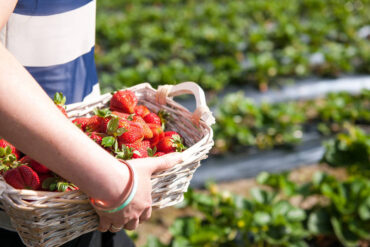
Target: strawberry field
264 45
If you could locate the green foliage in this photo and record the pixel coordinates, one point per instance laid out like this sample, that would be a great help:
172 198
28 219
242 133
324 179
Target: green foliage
242 123
220 42
350 149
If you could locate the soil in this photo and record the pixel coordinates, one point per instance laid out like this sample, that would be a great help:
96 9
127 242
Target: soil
162 219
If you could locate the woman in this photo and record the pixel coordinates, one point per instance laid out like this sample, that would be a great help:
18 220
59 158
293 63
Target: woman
50 43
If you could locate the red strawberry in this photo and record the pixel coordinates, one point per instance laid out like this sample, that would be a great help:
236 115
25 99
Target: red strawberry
147 131
95 137
153 119
121 114
141 149
171 133
158 154
141 110
39 168
4 143
134 132
59 101
135 118
22 177
72 187
99 121
157 134
170 144
123 101
94 124
81 122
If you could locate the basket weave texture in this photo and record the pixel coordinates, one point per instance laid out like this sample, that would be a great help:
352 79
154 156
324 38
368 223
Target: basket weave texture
54 218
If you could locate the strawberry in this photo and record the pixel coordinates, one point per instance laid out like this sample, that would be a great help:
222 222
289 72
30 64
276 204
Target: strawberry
123 101
81 122
158 154
59 101
171 133
94 124
153 119
121 114
96 137
140 149
141 110
56 183
157 134
134 132
4 143
169 144
99 122
135 118
22 177
36 166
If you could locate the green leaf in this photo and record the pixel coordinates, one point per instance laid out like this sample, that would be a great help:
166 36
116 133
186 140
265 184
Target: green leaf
59 99
262 218
364 210
151 151
154 242
108 141
62 186
318 178
105 112
46 184
112 126
183 227
180 242
345 236
296 214
8 150
319 222
120 131
281 208
263 177
262 196
2 152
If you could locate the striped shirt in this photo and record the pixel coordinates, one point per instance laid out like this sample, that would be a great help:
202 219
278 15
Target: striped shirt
54 40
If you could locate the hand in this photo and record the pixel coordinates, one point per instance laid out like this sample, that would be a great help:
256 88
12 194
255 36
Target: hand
140 208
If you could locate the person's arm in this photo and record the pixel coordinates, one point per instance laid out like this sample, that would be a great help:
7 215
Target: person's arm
30 121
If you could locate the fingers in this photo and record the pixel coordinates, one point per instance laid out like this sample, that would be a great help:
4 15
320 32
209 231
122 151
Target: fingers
166 162
104 224
146 215
132 224
114 228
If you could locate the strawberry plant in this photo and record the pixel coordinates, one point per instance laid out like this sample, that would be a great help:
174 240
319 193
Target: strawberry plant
350 149
242 123
218 43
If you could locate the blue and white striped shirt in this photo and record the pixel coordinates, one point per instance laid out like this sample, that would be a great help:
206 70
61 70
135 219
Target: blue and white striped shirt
54 40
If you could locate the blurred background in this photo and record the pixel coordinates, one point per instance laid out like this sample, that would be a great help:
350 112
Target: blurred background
289 84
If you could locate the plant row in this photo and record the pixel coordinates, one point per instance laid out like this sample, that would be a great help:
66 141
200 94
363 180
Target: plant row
322 212
217 43
241 123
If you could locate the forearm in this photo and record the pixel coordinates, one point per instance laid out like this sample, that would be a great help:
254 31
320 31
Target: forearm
30 121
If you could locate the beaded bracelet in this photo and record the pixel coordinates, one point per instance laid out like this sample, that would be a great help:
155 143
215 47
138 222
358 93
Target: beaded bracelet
132 192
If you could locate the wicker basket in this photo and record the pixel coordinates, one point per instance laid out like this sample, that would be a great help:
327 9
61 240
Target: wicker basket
53 218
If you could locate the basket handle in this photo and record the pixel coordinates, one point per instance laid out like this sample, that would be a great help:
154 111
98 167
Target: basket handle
201 112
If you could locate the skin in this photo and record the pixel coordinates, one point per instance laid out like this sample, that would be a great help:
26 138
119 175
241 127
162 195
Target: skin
29 119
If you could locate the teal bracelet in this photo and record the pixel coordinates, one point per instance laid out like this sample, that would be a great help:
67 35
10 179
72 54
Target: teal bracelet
132 193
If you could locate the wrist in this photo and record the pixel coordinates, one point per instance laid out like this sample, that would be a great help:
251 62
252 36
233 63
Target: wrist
125 198
118 188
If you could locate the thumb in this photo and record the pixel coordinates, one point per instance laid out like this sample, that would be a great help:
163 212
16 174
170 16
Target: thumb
166 161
